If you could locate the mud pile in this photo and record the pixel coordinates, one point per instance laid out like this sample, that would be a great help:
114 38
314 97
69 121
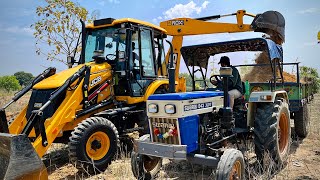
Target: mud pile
264 73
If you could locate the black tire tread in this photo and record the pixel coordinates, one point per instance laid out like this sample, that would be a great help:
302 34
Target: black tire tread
227 160
301 121
79 133
265 130
136 168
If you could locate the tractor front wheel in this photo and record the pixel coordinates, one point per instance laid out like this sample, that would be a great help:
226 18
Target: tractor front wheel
143 166
93 144
231 166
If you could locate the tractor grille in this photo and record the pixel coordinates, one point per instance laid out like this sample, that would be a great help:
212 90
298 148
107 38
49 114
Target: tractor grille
163 124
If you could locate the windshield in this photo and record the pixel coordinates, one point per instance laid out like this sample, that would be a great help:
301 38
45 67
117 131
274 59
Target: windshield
108 40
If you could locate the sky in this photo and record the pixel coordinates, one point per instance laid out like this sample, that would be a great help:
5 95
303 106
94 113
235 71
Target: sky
17 44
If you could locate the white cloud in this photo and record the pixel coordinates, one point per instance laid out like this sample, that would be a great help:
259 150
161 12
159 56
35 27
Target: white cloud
154 20
309 11
185 10
205 4
103 2
114 1
17 30
307 44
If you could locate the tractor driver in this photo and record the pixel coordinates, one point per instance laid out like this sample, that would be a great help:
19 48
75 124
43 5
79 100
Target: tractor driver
234 85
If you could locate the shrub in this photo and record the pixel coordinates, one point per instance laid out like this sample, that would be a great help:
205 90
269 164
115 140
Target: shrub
9 83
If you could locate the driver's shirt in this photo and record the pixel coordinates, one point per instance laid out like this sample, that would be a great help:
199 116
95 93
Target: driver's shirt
235 81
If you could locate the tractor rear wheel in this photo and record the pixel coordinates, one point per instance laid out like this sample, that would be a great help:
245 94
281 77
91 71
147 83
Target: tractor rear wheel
272 132
301 121
231 166
93 144
143 166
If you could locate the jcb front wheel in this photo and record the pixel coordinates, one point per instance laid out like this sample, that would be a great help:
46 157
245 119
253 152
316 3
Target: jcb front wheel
231 166
93 144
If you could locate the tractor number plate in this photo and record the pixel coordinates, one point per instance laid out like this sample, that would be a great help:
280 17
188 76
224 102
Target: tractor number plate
197 106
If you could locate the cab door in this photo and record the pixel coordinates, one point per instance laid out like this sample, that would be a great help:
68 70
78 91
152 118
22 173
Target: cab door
142 61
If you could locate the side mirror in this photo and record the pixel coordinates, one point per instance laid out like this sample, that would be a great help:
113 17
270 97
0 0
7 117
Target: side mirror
70 61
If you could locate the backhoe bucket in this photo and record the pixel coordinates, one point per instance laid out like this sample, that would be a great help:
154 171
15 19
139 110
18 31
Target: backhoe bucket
270 20
18 159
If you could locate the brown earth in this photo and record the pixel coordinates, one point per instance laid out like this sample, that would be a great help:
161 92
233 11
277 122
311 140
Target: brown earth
303 161
264 73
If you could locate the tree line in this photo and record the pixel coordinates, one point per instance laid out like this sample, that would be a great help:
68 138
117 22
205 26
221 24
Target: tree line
16 81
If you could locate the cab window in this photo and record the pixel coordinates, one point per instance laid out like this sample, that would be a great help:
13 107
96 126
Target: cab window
147 55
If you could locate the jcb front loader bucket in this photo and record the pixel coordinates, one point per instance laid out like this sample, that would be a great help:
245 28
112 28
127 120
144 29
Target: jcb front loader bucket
18 159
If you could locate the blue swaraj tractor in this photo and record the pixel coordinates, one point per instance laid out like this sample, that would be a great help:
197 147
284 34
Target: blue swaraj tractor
201 128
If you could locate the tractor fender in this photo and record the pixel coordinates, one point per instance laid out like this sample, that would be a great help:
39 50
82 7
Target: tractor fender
262 97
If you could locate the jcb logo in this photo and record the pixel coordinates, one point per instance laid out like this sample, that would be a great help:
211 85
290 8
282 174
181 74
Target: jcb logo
176 23
95 81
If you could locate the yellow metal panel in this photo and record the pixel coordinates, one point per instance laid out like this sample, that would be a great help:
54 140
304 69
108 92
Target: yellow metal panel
177 44
130 20
19 122
130 100
64 114
57 80
319 35
197 27
154 86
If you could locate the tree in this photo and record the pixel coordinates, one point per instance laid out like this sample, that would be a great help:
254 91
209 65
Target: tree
59 28
23 77
310 74
9 83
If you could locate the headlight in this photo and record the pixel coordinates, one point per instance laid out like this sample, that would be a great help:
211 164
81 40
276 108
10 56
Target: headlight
152 108
170 108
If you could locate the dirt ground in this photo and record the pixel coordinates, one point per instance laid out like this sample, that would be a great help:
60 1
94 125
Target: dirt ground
304 159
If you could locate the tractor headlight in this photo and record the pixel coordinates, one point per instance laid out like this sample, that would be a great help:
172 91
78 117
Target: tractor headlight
170 108
153 108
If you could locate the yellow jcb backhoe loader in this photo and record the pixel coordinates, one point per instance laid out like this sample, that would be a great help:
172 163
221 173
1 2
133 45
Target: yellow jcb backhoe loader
90 105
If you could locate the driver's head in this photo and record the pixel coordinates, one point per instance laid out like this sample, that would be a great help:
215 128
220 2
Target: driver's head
224 61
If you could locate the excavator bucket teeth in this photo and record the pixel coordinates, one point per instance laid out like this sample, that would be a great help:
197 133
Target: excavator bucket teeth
269 20
19 159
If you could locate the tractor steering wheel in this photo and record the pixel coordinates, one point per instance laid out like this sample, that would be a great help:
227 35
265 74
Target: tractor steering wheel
112 57
216 81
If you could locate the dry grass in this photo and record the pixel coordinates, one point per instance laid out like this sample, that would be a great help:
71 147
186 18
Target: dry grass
305 154
13 110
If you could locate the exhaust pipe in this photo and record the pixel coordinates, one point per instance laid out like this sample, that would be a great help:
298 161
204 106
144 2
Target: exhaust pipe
172 80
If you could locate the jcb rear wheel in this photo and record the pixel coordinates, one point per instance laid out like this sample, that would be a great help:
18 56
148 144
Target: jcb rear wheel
272 132
231 166
93 144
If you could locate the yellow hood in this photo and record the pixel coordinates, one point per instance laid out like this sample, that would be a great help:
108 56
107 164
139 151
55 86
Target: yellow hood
59 79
